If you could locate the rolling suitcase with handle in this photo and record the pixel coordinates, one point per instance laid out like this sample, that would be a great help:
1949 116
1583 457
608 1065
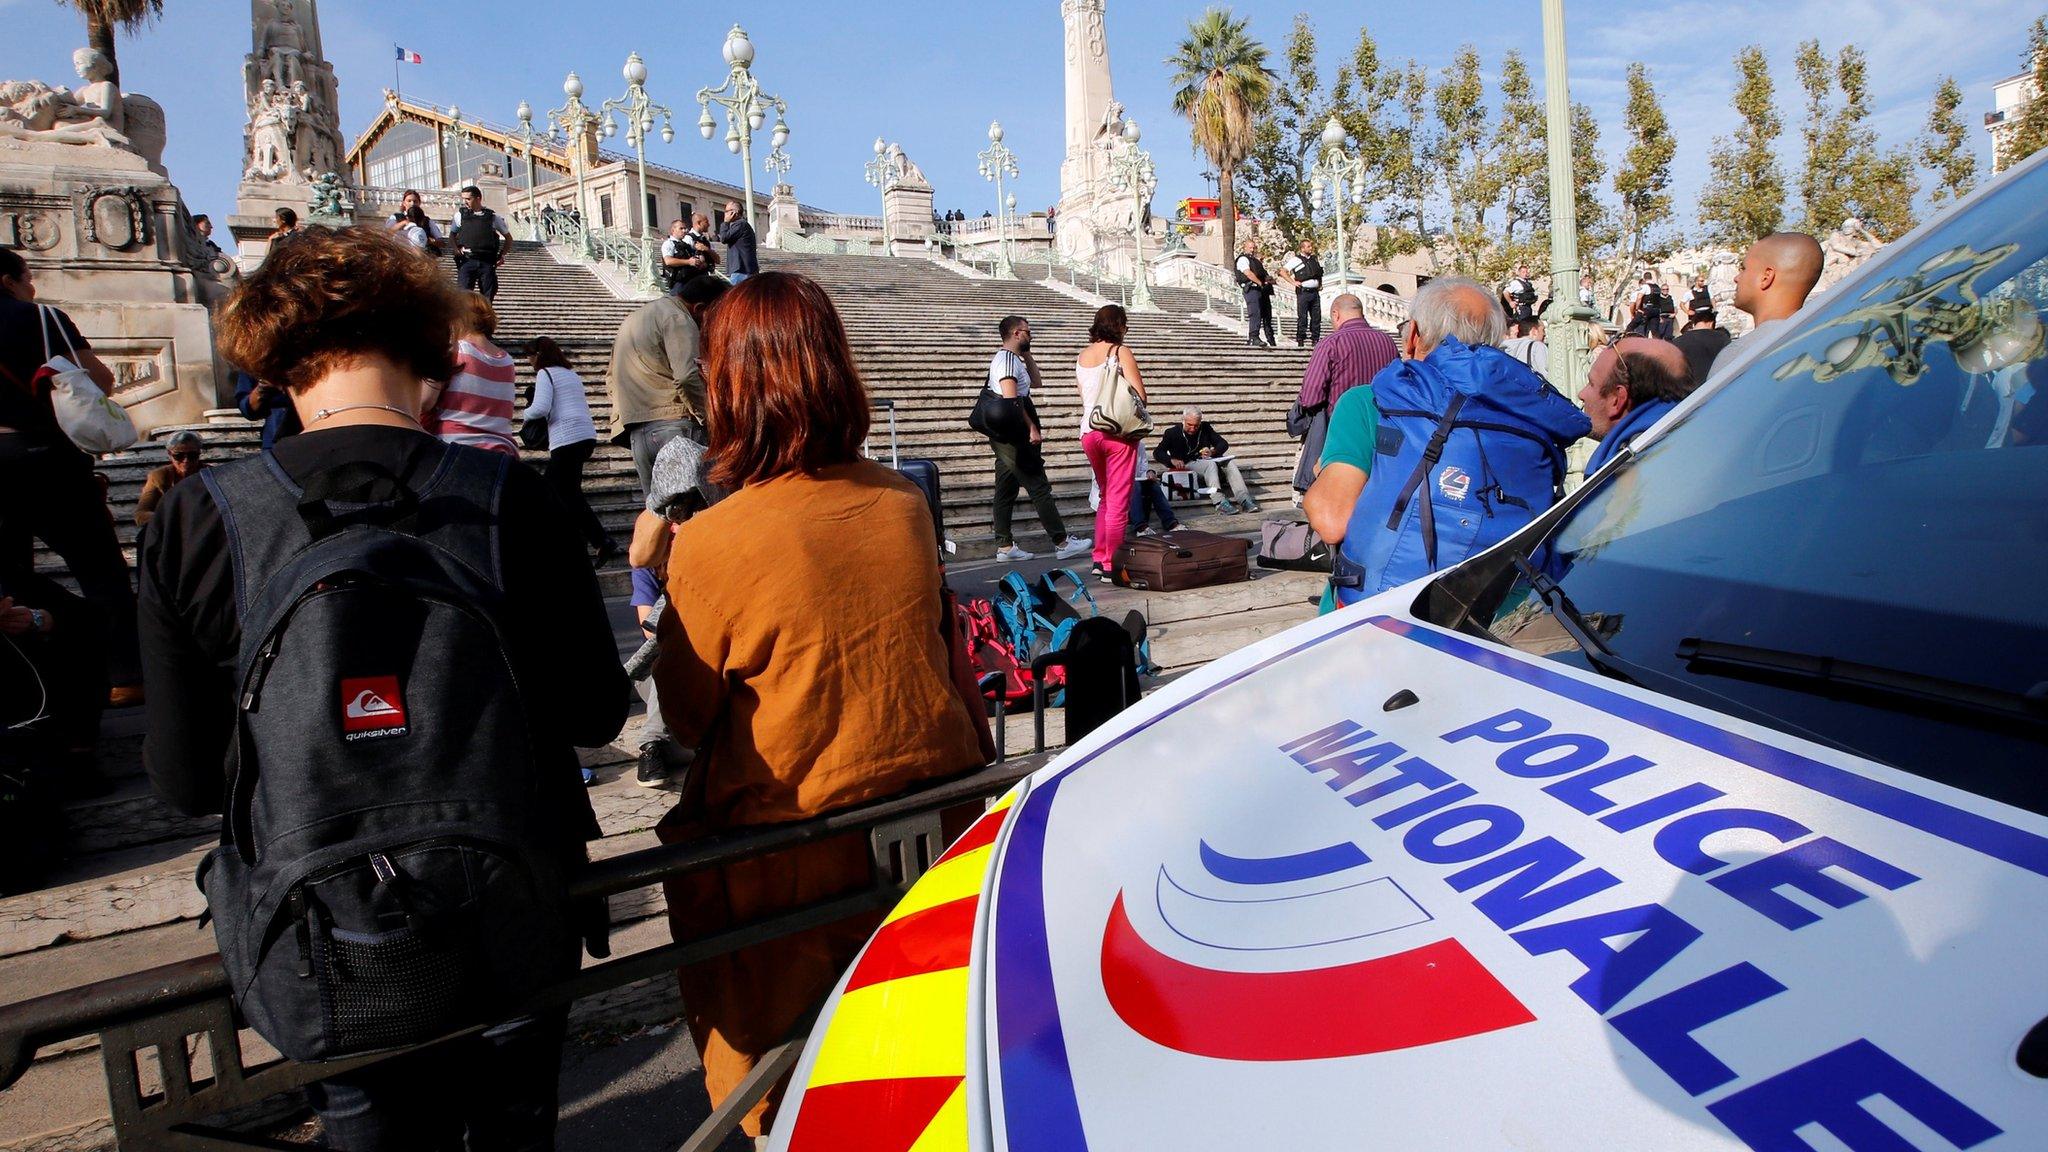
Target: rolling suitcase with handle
1173 561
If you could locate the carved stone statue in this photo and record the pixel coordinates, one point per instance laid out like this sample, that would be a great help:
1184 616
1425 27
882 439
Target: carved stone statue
33 110
273 128
906 171
327 200
1844 249
282 45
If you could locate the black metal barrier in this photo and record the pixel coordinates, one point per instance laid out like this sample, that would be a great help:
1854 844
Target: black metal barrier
166 1008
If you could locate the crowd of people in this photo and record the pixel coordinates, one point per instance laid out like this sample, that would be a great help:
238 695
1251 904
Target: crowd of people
387 401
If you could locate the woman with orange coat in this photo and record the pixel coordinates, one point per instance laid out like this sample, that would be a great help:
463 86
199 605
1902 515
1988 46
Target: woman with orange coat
802 655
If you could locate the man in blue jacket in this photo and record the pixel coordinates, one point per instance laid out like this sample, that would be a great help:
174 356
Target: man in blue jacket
1632 385
1469 449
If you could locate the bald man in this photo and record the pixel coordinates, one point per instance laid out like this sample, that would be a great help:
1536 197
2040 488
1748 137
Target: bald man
1350 357
1633 384
1778 273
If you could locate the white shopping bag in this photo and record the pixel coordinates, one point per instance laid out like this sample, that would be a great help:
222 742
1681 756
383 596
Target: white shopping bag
94 422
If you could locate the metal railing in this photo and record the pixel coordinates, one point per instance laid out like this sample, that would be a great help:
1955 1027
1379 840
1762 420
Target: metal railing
179 1009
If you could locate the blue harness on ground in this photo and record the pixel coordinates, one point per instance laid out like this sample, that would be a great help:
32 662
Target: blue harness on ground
1470 449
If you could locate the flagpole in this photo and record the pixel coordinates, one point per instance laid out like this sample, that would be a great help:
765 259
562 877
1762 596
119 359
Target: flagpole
397 65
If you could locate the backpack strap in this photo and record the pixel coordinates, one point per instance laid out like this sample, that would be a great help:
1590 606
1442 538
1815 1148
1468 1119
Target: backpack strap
1051 580
1431 453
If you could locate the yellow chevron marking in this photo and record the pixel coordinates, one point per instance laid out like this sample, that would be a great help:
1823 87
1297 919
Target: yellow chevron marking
948 1130
1008 799
956 879
915 1026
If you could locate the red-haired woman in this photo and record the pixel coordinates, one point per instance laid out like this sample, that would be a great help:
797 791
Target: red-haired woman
1114 458
795 710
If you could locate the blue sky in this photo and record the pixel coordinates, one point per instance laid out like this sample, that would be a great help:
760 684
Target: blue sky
932 76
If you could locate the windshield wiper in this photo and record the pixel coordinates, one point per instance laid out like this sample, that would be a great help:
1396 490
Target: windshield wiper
1847 679
1567 615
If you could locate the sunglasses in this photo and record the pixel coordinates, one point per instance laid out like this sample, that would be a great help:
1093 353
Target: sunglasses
185 456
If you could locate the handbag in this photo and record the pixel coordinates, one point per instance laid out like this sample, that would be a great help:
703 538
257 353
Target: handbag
533 433
1118 409
92 421
999 418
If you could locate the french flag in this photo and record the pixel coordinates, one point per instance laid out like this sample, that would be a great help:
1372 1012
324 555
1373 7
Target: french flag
405 57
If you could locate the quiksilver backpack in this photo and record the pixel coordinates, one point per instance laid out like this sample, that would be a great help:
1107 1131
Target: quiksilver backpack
385 874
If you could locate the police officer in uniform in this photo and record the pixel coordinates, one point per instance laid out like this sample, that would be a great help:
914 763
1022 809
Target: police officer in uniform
1305 272
481 240
1520 295
1257 284
682 259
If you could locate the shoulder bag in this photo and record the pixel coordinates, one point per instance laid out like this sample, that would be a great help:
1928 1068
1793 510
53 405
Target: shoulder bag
999 417
1118 409
533 434
92 421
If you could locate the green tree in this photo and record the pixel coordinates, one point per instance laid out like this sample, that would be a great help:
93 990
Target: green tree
1945 146
1276 170
1598 231
1221 84
1470 183
1411 147
104 17
1744 197
1366 97
1845 173
1521 167
2030 134
1643 182
1824 177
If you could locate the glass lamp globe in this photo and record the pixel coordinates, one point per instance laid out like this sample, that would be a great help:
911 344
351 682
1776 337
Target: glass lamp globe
573 87
705 125
1333 134
781 134
635 70
732 140
525 113
757 114
668 133
739 51
1131 134
454 113
995 132
879 146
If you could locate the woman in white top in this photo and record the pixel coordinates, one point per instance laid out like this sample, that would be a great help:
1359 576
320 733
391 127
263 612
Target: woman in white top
559 399
411 222
1114 459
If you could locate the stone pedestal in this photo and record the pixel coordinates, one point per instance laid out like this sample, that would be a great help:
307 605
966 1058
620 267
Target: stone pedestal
110 243
907 206
784 215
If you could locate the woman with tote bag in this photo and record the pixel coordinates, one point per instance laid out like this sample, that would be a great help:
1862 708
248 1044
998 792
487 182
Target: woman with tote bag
1113 421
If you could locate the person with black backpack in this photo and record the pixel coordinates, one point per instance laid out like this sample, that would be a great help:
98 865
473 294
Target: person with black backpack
482 238
375 654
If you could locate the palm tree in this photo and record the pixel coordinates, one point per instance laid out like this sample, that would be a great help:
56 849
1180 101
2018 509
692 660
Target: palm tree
103 17
1220 83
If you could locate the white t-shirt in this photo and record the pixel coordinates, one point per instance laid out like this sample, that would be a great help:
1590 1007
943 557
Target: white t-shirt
1005 365
414 234
1244 264
1294 264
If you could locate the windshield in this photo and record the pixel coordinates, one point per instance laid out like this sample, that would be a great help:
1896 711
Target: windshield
1873 490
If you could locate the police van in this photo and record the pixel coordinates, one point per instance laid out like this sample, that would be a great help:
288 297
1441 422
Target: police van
1705 813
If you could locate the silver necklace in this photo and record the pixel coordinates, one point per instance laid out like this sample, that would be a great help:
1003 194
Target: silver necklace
323 413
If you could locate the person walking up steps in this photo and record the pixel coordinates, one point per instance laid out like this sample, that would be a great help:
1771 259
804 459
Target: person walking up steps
559 399
481 240
475 406
1012 374
1113 458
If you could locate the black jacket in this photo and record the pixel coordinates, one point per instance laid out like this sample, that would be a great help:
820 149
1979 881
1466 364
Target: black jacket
1176 444
741 258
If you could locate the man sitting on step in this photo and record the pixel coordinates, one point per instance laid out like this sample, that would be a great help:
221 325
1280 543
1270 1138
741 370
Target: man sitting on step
1195 446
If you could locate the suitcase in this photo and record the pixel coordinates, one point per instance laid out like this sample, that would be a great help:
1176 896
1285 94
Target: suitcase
923 473
1182 559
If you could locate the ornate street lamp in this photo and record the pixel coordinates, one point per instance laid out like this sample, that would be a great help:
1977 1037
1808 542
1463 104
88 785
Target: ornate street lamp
455 135
776 163
574 122
746 109
883 172
1130 170
640 111
525 115
1341 173
996 163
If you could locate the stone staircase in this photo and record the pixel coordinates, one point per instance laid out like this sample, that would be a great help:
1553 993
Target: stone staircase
923 336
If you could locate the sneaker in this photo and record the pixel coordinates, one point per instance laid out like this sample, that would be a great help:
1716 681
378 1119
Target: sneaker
1226 507
1012 554
590 777
1248 505
654 767
1148 530
1101 573
1073 546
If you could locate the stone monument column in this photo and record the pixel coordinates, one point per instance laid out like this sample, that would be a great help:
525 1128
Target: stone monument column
1092 110
907 201
293 137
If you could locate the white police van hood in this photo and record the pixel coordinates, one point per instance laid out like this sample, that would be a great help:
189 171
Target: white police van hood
1372 884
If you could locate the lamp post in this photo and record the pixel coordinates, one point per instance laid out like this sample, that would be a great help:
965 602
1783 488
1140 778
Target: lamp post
525 115
1339 171
883 172
996 163
455 135
640 111
1564 327
573 122
776 164
746 109
1130 170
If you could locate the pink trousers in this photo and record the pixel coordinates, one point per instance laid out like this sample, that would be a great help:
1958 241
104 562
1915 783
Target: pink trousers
1115 462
